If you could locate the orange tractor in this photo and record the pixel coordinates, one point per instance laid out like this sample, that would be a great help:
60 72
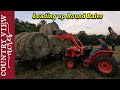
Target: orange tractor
102 61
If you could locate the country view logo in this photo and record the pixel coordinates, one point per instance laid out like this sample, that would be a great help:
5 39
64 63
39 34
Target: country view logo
6 45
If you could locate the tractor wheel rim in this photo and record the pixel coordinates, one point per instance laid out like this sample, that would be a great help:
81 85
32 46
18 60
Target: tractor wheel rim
70 64
105 67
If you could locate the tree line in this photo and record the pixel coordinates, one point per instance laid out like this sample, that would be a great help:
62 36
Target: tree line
93 39
25 26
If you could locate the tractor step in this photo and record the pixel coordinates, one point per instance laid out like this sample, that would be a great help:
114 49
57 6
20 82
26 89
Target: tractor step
86 63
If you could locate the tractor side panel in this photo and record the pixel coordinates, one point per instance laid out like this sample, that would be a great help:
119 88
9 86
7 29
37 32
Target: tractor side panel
104 53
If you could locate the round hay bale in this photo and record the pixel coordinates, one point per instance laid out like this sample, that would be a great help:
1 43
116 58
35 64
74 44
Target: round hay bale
21 52
32 45
17 42
47 29
18 35
38 45
55 44
67 43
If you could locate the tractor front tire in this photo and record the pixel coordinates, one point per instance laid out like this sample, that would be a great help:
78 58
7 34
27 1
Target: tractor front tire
70 64
106 66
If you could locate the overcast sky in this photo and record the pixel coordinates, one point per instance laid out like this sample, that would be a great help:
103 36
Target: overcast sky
91 26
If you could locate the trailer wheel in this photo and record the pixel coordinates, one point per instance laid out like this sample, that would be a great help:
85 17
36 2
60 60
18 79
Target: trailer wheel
37 65
106 66
70 64
62 55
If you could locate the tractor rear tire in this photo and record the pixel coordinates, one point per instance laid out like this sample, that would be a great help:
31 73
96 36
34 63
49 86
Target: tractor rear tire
70 64
106 66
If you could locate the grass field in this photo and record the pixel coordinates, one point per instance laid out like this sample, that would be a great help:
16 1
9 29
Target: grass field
57 70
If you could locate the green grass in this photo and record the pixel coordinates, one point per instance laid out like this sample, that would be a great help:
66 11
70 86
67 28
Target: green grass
58 70
117 55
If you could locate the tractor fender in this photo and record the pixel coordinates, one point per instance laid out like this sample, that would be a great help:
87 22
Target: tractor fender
100 53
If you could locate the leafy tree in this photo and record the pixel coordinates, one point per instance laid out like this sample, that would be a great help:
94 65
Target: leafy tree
21 26
118 40
39 25
108 39
63 32
83 37
93 40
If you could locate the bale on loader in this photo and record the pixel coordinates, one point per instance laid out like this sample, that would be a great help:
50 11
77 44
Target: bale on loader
47 29
55 44
66 44
32 45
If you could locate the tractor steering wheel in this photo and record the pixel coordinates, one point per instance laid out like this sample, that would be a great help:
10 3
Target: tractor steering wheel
90 46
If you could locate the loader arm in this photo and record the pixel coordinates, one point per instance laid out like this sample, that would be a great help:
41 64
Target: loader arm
70 37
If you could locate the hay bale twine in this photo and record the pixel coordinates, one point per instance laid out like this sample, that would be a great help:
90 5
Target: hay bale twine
32 45
55 44
47 29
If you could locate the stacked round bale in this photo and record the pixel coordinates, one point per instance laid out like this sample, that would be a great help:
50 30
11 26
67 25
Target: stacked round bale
67 43
56 45
31 45
47 28
39 44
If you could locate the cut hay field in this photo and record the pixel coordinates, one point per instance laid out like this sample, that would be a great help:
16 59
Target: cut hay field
56 69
